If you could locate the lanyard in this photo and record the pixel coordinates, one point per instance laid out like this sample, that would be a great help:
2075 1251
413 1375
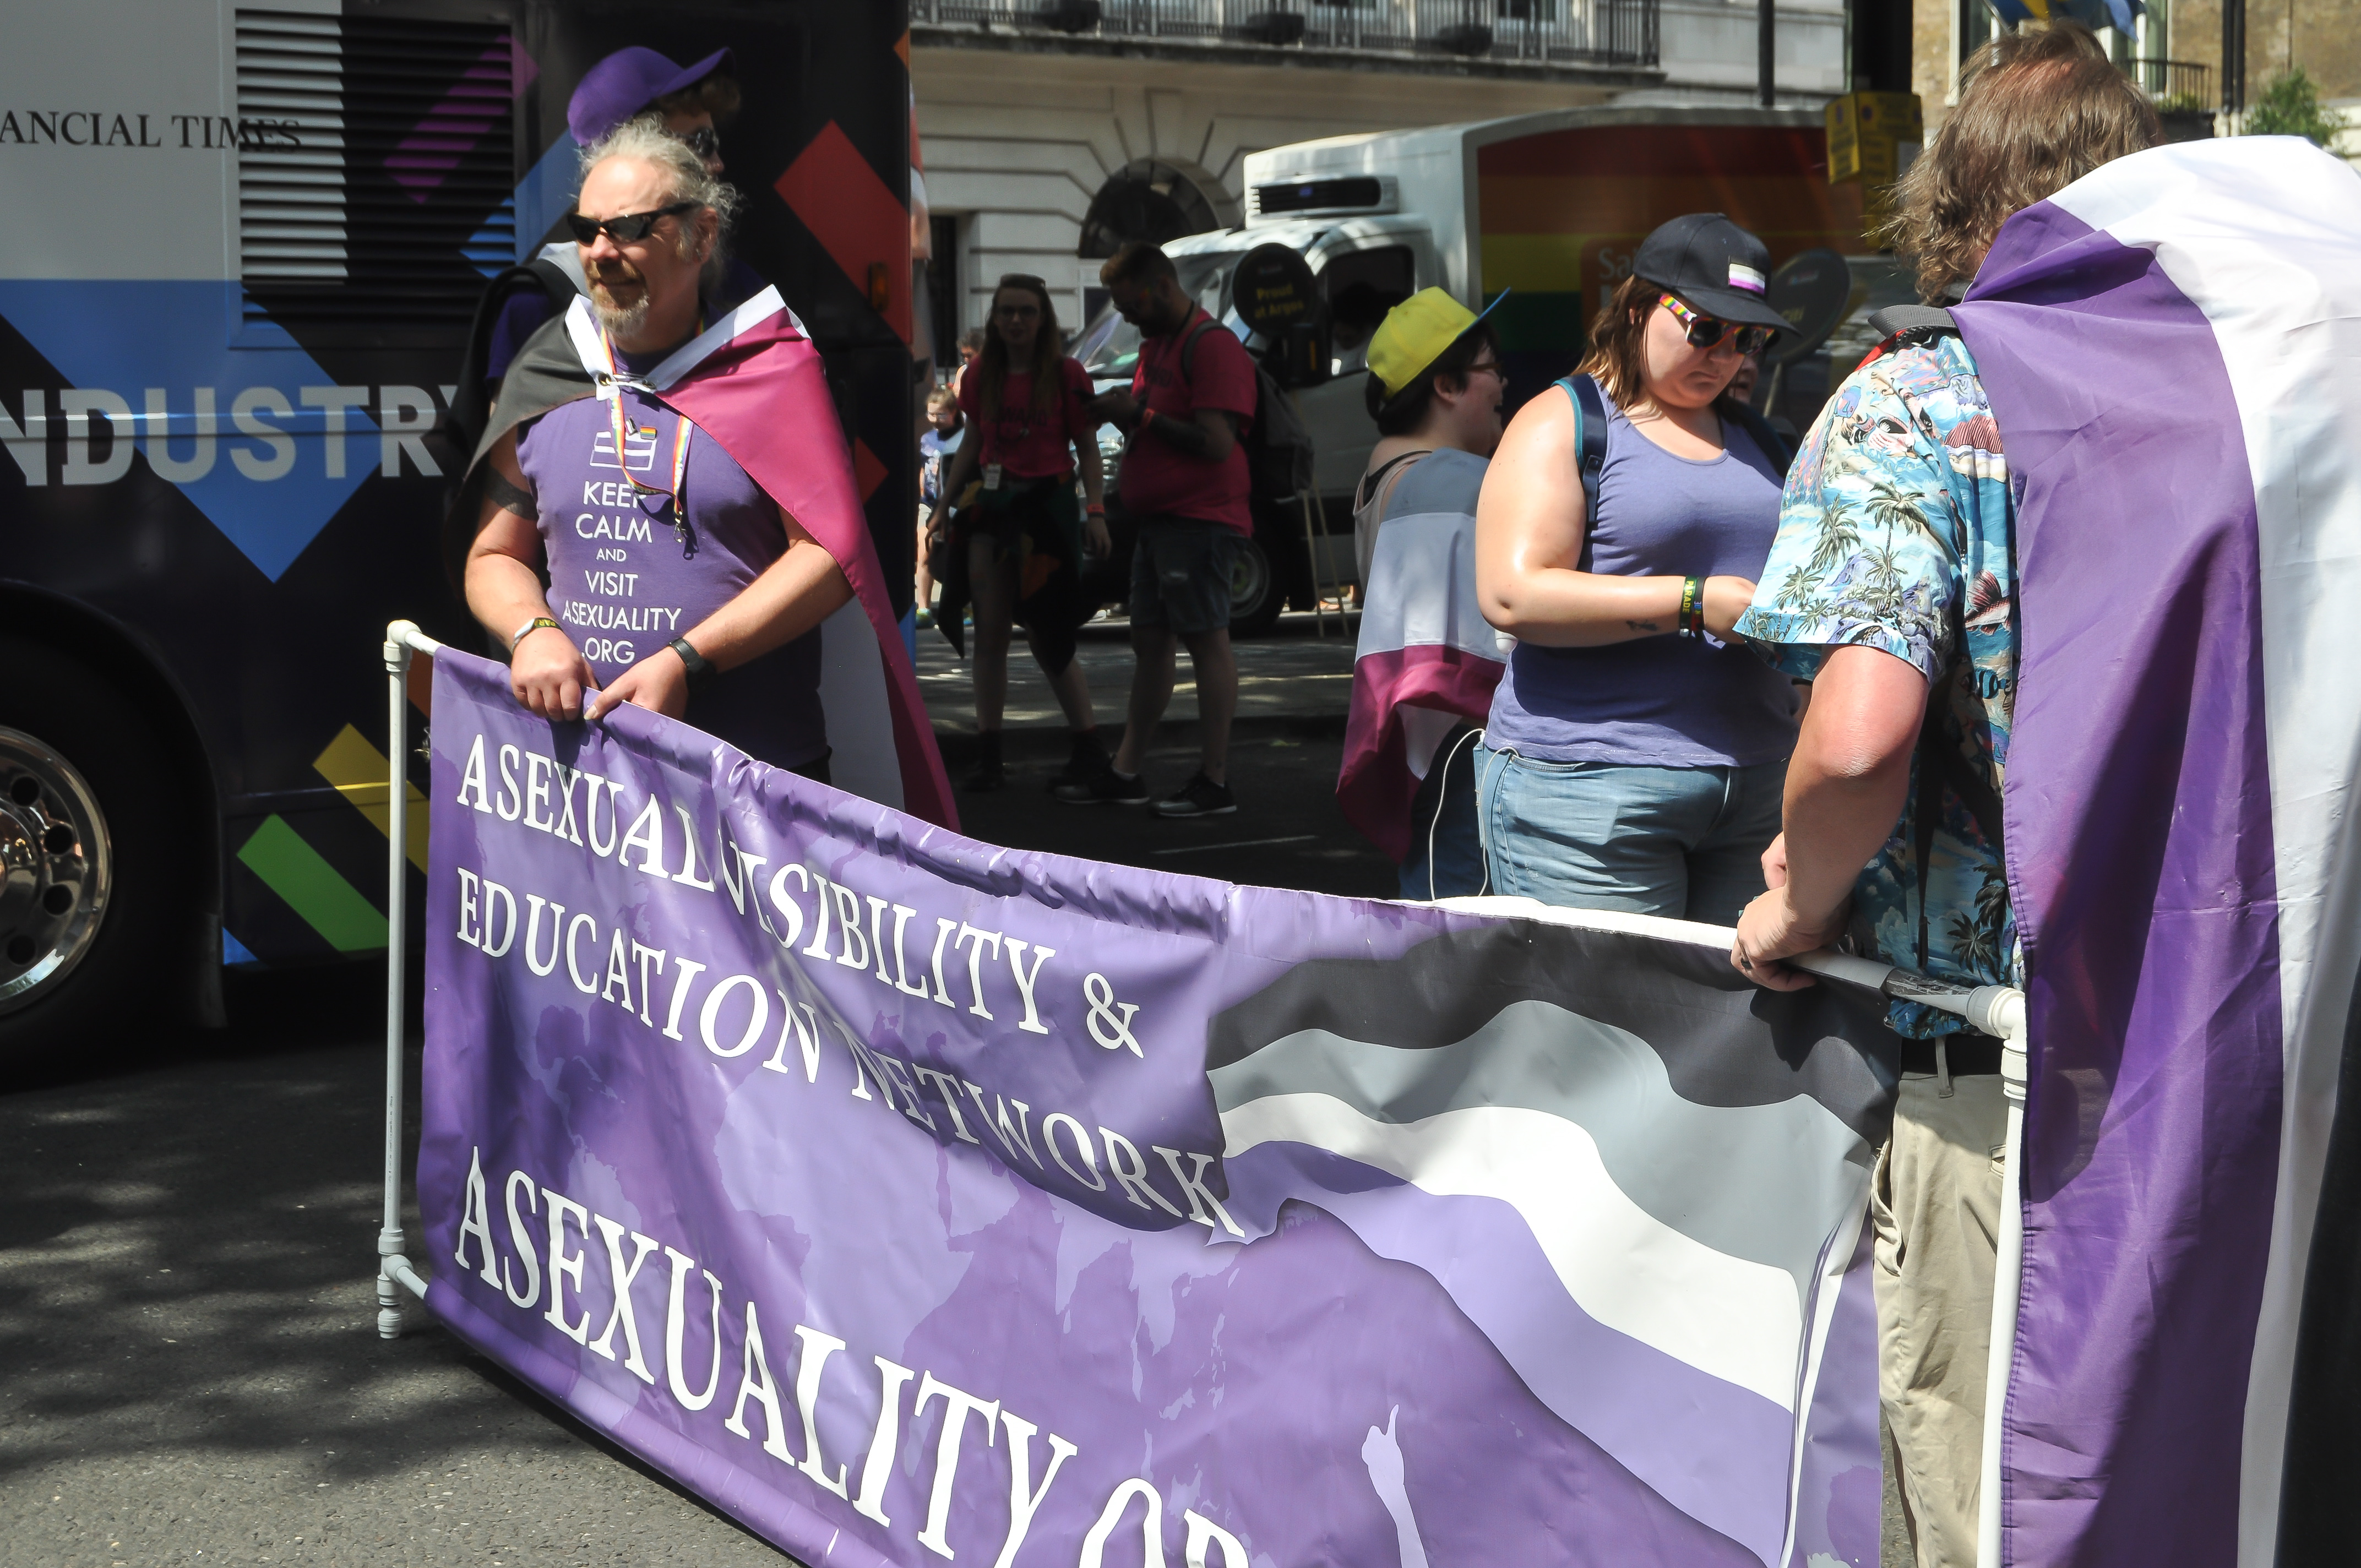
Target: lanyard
679 493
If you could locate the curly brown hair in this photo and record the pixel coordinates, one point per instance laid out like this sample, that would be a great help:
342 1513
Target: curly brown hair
2037 110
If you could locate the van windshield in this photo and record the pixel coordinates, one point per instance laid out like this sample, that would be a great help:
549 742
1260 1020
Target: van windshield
1110 345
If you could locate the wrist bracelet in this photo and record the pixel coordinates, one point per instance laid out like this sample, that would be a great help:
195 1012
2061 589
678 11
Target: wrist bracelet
1685 622
528 628
1096 509
700 668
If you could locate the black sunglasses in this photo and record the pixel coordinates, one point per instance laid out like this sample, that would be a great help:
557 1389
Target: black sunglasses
1705 331
629 228
704 141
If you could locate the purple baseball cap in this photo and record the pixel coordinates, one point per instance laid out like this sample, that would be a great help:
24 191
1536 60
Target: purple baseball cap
627 82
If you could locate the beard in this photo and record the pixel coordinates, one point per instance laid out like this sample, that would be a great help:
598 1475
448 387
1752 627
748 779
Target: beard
620 319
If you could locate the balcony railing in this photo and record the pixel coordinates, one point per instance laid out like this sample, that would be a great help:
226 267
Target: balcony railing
1547 32
2174 83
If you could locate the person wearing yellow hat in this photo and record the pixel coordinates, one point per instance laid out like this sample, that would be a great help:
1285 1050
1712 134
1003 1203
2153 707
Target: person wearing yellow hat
1423 673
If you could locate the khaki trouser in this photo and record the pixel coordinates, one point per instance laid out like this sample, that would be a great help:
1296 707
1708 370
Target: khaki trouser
1935 1205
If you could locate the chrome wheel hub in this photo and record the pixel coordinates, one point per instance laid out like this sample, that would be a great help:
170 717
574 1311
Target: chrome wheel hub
55 868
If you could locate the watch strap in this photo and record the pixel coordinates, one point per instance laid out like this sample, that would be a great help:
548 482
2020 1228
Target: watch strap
700 668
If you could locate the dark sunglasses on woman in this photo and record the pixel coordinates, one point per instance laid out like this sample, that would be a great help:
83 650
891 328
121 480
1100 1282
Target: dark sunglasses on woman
704 141
629 228
1705 332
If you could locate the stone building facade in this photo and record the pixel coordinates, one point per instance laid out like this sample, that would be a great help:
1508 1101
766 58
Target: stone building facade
2175 52
1024 127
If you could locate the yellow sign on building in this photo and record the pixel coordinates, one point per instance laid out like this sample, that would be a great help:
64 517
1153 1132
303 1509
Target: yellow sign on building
1872 136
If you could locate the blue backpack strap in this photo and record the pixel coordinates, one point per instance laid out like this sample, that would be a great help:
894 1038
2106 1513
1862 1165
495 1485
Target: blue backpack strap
1774 447
1590 448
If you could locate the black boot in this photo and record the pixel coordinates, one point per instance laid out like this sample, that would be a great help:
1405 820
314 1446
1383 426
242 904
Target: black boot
987 774
1088 760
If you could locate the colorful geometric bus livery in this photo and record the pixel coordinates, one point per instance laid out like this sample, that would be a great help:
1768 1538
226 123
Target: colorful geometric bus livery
225 363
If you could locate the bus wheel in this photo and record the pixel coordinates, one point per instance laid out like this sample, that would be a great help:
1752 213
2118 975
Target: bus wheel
1255 596
91 883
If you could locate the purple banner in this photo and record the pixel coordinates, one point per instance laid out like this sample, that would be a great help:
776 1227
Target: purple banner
910 1198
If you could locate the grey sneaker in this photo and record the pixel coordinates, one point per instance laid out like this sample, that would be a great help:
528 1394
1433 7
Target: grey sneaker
1109 788
1201 797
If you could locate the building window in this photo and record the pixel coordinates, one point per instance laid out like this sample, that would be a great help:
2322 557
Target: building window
1149 200
1972 27
943 286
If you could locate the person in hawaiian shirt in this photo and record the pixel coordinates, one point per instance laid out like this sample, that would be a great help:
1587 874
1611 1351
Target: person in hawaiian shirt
1890 586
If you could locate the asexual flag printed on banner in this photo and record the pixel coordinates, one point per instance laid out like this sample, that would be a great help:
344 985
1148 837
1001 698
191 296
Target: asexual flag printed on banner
911 1198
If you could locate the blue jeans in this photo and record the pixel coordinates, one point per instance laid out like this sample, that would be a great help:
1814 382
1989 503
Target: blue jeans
1686 843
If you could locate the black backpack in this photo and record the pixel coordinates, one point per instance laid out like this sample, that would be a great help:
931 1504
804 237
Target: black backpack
1910 323
471 405
1279 447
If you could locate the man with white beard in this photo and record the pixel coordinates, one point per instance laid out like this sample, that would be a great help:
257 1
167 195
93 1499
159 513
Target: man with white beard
680 480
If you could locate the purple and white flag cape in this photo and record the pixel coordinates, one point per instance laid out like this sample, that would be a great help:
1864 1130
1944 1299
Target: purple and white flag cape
913 1199
2172 346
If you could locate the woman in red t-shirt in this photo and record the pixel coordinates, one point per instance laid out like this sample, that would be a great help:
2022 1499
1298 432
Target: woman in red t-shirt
1018 536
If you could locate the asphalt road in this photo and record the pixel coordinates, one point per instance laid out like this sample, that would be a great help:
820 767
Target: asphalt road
187 1248
1284 752
187 1311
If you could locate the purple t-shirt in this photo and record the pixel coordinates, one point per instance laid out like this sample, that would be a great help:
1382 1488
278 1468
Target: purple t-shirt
624 580
1665 702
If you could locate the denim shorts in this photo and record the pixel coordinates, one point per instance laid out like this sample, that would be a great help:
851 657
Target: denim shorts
1181 573
1685 843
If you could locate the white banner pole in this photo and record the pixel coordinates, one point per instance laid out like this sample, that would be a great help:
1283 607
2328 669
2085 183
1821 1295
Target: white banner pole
2008 1277
394 1271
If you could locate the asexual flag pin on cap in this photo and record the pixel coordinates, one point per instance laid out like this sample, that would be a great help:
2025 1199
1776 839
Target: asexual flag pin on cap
1712 265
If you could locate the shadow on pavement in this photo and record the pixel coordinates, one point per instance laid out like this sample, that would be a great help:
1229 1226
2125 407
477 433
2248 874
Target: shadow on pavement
187 1313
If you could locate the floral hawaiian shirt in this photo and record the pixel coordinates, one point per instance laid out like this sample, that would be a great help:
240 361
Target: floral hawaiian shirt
1898 530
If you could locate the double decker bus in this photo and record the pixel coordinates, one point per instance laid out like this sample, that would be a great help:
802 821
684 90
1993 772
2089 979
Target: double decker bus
245 247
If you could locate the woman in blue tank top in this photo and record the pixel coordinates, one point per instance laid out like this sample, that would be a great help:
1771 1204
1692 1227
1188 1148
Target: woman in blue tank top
1635 756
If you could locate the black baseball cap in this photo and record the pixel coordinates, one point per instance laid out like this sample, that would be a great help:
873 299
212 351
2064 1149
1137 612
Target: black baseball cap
1714 266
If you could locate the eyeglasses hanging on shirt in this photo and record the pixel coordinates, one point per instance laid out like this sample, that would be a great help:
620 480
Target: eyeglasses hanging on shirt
677 497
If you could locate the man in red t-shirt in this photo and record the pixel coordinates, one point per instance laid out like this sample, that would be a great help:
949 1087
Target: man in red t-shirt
1184 482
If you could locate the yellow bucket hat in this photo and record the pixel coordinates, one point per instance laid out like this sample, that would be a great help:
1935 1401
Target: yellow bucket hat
1414 334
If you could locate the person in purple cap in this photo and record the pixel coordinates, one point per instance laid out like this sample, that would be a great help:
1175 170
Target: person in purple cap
691 102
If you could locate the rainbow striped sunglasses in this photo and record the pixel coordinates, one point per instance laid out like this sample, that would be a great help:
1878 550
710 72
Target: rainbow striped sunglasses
1706 332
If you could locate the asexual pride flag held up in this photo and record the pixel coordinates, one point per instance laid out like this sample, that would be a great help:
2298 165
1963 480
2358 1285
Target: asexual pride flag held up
913 1200
2172 346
